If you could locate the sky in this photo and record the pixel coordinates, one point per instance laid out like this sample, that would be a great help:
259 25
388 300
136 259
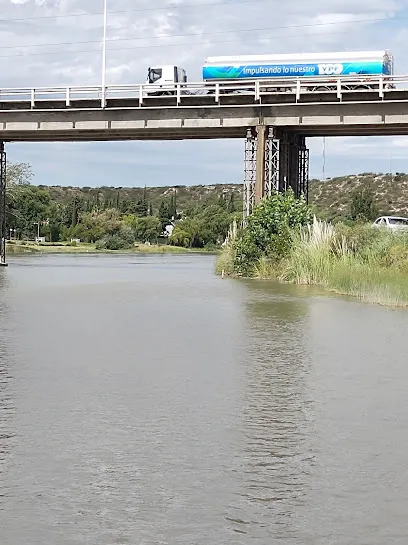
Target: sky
58 43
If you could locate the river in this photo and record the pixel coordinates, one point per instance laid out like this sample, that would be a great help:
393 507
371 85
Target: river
143 400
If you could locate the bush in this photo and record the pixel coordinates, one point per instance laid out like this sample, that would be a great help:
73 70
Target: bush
246 255
363 206
113 242
211 247
269 231
127 235
357 236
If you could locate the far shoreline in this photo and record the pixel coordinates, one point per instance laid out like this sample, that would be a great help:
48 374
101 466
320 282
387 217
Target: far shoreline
25 248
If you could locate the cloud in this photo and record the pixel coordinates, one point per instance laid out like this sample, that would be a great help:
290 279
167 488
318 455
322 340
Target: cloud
58 42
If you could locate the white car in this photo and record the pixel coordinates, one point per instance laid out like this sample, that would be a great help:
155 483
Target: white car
391 222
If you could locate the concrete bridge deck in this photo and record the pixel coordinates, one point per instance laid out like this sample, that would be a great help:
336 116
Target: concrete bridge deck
224 111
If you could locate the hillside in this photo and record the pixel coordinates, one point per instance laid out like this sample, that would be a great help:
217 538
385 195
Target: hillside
330 198
186 195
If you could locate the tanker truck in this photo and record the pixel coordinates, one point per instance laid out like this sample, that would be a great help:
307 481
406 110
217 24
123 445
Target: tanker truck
359 65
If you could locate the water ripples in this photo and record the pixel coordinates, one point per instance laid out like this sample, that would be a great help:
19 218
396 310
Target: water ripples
7 407
161 405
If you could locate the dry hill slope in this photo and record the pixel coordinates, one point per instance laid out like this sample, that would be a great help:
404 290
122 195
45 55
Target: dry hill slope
333 196
330 197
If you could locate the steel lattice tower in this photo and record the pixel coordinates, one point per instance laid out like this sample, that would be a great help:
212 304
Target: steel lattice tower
3 234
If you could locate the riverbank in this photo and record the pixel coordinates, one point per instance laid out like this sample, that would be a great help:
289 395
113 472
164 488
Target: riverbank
360 261
17 248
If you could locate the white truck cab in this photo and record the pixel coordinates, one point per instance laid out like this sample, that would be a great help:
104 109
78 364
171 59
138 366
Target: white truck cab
162 79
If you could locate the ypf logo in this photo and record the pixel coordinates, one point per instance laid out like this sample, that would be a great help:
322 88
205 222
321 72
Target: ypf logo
330 69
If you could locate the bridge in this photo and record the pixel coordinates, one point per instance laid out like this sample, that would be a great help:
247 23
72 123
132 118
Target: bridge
274 117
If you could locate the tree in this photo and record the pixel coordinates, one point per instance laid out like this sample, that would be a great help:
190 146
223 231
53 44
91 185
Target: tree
28 205
18 174
164 214
269 230
172 209
274 216
180 237
362 206
231 204
72 211
147 229
189 232
93 226
75 208
222 202
54 227
119 241
175 204
141 208
214 222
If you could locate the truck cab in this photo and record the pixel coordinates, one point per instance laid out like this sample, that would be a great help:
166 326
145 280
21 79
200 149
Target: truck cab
163 79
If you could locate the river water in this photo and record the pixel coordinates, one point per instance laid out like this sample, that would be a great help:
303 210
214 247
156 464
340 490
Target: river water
143 400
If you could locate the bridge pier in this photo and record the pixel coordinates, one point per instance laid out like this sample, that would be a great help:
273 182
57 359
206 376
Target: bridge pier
3 234
275 160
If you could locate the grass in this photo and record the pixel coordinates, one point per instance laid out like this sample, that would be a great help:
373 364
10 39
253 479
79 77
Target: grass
366 263
225 261
310 259
371 284
32 247
265 268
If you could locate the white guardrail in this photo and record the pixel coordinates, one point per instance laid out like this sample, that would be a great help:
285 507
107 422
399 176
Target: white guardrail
378 85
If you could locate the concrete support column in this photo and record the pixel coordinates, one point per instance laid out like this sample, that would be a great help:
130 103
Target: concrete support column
284 162
294 165
260 164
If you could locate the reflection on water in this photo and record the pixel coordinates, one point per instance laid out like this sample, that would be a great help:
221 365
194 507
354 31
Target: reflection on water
6 397
144 400
276 405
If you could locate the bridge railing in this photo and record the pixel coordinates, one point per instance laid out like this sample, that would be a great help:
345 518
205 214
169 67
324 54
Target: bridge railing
259 90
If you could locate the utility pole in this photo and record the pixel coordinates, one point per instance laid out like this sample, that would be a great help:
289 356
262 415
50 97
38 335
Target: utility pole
37 223
105 24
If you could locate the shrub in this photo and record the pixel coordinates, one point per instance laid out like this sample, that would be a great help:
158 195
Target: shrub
113 242
269 231
363 206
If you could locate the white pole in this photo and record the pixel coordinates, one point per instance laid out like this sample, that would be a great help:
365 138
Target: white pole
324 158
105 24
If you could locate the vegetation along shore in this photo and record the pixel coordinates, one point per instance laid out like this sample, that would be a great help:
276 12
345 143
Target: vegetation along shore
284 240
116 219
